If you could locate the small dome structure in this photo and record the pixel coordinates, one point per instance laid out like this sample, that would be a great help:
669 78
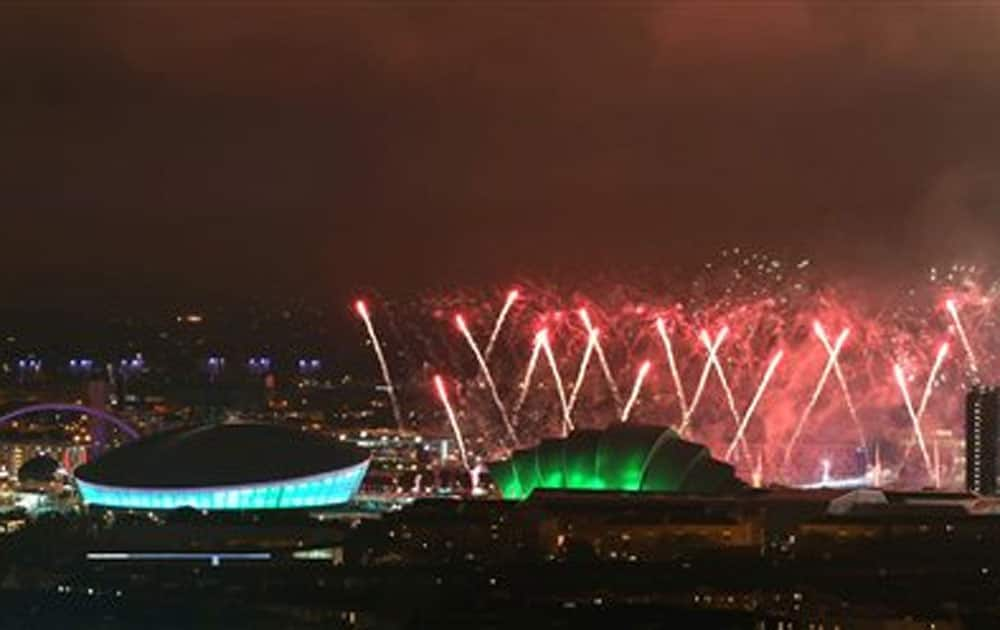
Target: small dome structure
39 469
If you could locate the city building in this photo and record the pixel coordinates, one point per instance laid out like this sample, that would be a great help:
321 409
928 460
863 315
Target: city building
982 434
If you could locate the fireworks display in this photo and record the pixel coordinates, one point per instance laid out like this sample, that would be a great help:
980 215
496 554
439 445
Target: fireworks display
362 310
774 367
442 393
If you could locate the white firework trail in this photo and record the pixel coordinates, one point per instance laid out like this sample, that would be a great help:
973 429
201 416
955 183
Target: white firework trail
960 329
713 347
772 366
529 372
487 376
713 358
668 348
605 367
442 393
636 387
842 381
582 371
550 357
362 310
818 390
498 326
916 415
942 353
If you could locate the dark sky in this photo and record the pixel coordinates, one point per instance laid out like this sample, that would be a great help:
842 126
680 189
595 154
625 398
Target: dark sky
271 148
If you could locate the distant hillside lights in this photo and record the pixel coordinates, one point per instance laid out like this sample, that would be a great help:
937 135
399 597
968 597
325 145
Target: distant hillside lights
28 368
81 366
133 365
259 365
309 367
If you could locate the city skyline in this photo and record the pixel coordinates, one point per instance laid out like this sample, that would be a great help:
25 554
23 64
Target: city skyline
500 313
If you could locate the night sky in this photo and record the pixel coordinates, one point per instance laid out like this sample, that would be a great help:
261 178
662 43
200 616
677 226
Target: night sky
268 149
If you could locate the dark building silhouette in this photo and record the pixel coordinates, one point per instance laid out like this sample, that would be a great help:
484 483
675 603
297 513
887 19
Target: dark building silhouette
40 469
97 398
982 433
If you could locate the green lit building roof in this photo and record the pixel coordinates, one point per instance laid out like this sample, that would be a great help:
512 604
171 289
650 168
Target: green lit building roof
621 458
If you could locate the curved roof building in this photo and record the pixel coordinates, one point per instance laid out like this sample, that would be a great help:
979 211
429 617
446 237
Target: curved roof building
238 466
623 457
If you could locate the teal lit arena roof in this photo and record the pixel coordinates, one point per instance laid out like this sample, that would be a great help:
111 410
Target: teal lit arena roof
238 466
621 458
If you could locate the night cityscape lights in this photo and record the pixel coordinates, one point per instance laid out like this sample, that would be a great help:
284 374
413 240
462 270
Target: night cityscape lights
365 315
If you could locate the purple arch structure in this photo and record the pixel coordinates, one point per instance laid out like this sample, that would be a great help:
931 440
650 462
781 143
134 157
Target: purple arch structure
68 408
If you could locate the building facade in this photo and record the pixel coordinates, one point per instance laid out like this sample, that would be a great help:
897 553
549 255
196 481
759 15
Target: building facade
982 431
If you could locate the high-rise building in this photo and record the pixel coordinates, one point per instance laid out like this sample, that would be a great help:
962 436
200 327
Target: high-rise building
982 439
97 394
97 398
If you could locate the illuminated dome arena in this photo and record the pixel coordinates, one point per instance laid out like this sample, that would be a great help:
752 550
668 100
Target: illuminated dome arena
621 458
239 466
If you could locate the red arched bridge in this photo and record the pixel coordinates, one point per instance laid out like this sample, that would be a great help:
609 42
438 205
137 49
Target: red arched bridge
104 416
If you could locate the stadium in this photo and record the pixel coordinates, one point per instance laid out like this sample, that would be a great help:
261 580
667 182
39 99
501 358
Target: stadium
623 457
233 466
